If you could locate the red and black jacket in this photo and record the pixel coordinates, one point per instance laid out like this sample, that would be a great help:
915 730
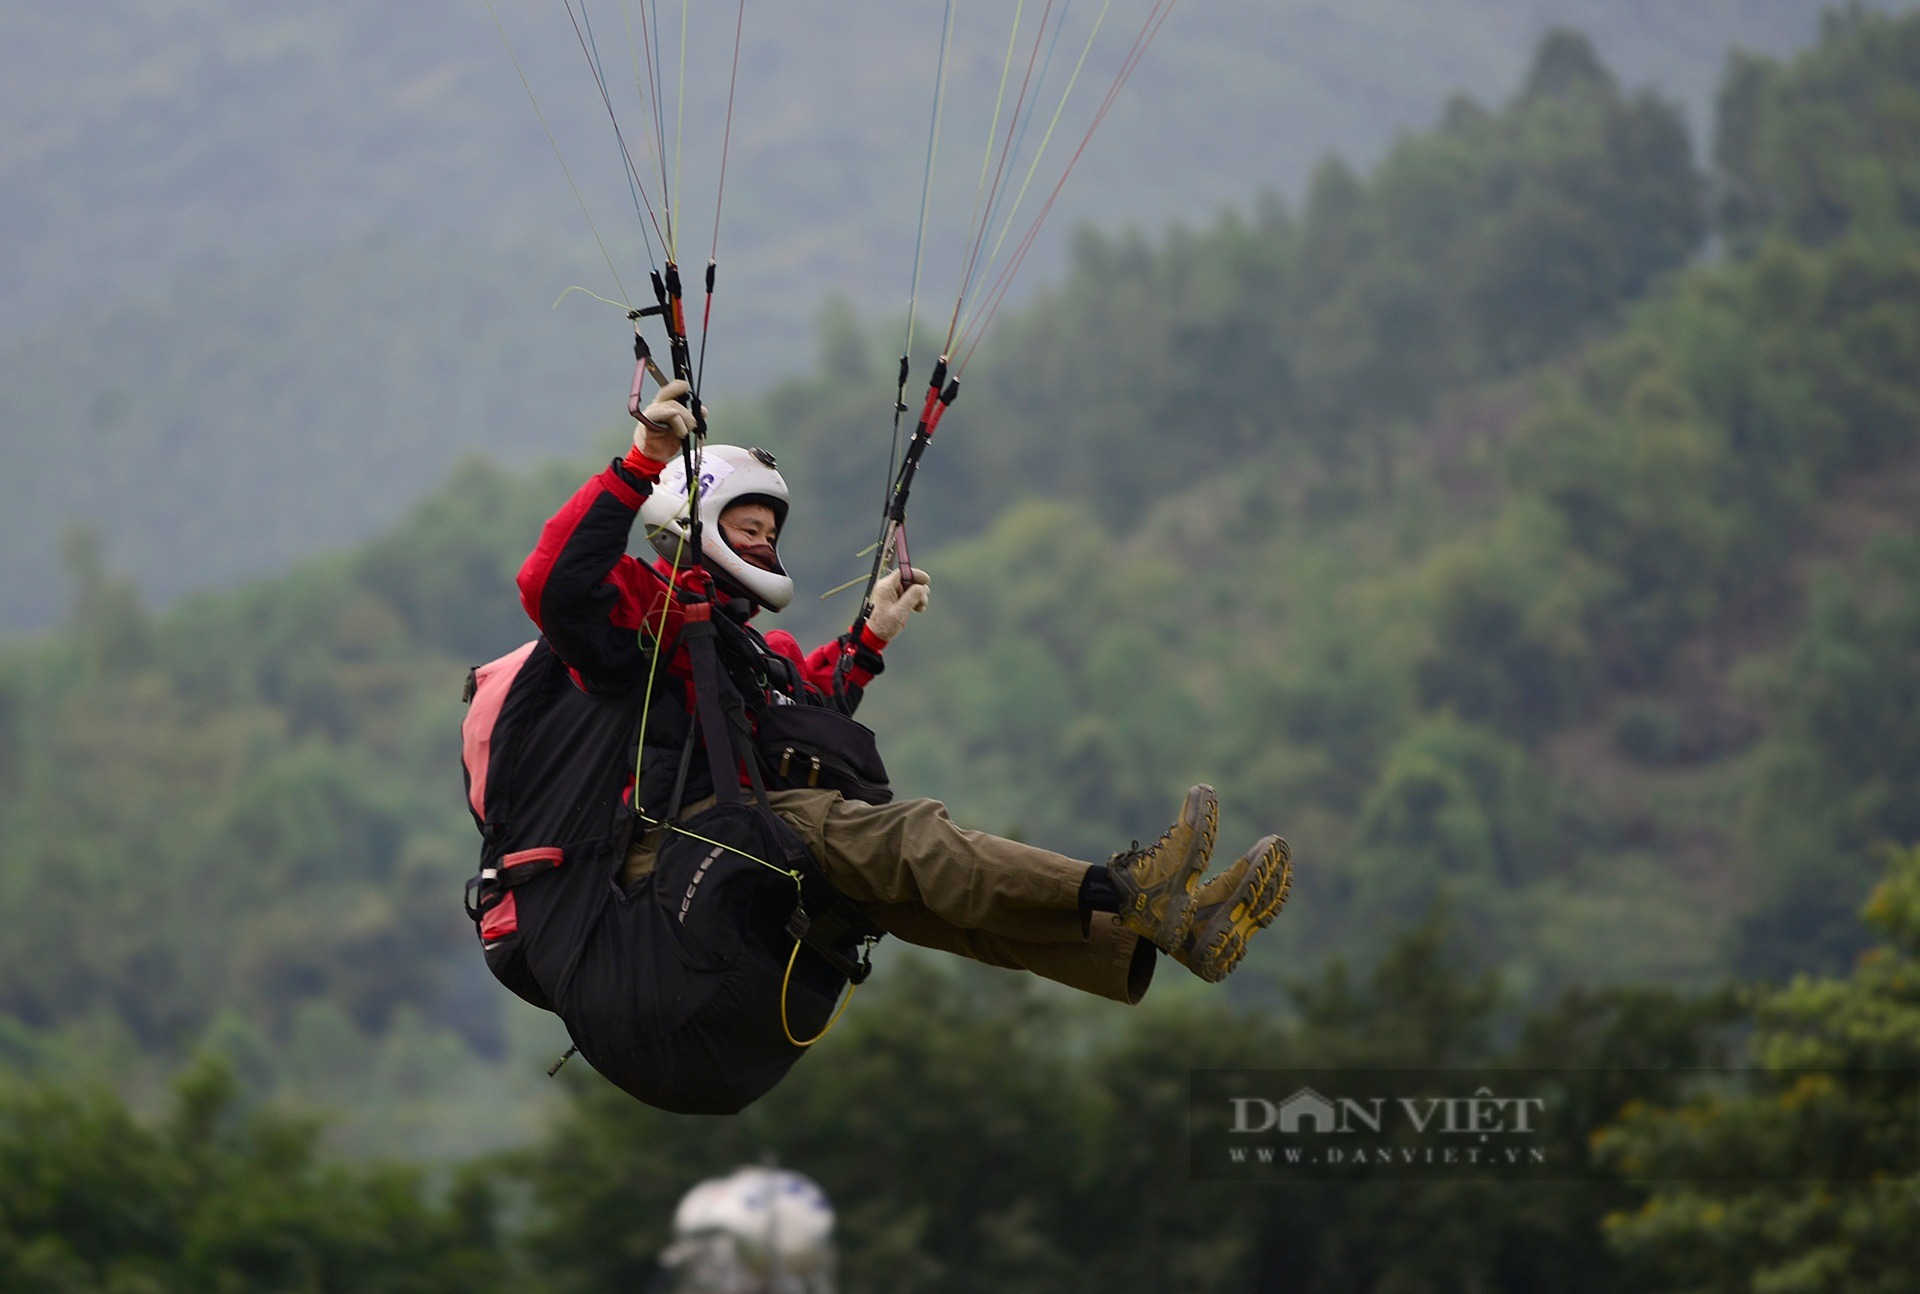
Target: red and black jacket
672 987
602 610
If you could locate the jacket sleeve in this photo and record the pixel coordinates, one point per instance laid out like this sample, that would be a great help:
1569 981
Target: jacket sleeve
863 661
818 667
582 589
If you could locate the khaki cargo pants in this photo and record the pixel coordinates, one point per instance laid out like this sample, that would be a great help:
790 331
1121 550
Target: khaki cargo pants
923 879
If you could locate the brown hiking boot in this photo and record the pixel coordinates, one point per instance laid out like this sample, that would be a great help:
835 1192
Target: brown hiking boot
1156 884
1230 907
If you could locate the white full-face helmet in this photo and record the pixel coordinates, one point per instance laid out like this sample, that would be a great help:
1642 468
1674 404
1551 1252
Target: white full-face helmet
728 475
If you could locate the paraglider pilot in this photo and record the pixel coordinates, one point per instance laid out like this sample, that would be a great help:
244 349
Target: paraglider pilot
904 864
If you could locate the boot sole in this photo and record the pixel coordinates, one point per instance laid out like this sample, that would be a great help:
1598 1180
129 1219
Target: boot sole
1253 907
1166 929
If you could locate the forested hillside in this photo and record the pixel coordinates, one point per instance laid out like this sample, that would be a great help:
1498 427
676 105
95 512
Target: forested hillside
145 139
1524 525
1436 535
978 1136
244 236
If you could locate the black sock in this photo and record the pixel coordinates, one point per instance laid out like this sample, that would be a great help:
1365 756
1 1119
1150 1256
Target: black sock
1097 894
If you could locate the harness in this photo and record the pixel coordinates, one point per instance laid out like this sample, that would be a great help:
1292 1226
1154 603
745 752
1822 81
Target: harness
823 920
671 986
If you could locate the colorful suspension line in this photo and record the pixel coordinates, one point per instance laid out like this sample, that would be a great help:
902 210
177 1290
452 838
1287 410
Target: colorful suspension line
668 289
646 83
720 196
968 321
1046 137
1150 28
913 292
642 208
893 499
558 156
986 162
942 390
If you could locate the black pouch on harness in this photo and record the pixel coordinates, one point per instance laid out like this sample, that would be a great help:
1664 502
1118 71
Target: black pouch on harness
813 746
680 1003
693 996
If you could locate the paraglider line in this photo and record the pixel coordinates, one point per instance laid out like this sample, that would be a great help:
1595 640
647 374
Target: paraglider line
591 48
1020 198
1156 18
680 110
919 248
726 133
633 176
986 162
558 156
979 235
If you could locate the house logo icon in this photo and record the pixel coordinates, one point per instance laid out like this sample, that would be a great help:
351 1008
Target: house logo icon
1307 1106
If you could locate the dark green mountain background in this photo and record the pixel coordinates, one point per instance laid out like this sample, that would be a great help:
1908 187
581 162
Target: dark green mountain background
270 267
1521 520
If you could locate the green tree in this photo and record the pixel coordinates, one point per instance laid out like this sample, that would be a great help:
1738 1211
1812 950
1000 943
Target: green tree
1812 1184
1842 773
219 1199
976 1134
1821 146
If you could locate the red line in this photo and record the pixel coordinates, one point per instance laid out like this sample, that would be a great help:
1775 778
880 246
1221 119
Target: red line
993 190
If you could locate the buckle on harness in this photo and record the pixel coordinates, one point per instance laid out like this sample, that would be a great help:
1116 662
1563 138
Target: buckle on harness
786 760
473 898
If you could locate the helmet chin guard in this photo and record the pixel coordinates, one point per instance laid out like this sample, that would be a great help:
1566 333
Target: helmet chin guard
728 475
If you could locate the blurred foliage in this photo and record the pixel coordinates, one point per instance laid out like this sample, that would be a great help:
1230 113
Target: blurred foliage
218 1198
1454 525
1824 147
240 824
1842 772
1810 1184
1239 507
977 1133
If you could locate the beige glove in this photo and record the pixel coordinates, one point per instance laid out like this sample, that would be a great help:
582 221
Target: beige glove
892 606
664 423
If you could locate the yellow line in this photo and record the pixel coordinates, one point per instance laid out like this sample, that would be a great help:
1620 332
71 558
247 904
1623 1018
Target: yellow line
1045 139
993 133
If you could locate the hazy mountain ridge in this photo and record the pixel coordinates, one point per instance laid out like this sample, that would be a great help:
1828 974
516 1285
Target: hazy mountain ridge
248 237
152 134
1375 615
1558 598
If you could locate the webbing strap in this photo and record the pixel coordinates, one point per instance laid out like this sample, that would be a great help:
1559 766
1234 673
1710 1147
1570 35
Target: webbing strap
680 772
722 717
707 685
737 719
